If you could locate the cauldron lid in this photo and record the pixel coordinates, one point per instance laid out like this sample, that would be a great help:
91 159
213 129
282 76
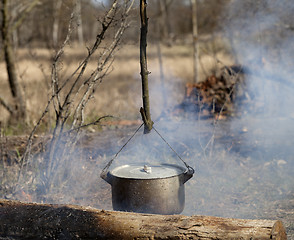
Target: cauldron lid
142 171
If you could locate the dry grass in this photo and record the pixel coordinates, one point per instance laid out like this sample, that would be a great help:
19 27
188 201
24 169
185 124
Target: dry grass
239 174
120 92
235 176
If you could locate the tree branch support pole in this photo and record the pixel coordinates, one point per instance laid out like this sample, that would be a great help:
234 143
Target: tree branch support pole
145 111
195 40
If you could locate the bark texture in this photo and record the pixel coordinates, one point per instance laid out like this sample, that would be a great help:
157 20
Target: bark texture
43 221
145 111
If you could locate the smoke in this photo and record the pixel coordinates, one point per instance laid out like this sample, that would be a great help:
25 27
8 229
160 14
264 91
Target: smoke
262 39
250 165
242 166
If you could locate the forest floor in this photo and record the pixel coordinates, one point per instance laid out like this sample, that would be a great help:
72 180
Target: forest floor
241 169
120 92
243 164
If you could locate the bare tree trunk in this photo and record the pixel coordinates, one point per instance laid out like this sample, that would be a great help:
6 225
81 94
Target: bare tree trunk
18 111
145 111
79 21
55 30
161 74
195 40
163 17
165 23
15 38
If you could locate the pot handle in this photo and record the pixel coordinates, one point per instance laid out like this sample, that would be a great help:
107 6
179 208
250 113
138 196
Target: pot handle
106 176
188 174
105 173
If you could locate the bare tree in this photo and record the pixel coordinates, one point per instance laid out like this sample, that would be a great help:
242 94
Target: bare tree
10 23
79 21
57 8
17 109
195 39
164 20
71 95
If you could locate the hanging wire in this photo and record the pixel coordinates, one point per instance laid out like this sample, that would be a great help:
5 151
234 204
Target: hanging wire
103 173
110 162
171 147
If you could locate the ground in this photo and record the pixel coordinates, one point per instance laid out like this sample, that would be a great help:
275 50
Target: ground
235 176
120 92
243 164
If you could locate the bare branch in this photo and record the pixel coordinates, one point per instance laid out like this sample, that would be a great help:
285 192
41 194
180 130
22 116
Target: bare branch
24 13
54 72
105 24
6 106
91 123
103 61
64 105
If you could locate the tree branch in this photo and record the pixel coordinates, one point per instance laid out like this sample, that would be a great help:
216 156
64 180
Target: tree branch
6 106
22 16
64 105
143 64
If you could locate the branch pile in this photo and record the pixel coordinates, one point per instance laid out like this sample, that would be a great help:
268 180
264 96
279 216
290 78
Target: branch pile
217 94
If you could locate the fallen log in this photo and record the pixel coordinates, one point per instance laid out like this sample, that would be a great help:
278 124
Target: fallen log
20 220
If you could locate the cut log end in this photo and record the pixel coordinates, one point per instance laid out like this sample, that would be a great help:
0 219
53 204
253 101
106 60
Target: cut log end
278 231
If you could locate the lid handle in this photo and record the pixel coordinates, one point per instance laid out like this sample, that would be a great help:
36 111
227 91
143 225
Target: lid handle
147 169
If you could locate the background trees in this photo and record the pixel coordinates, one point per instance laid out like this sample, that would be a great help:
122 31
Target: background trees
42 24
17 108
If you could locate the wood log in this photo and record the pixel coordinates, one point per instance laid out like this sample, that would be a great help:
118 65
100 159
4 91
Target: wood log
20 220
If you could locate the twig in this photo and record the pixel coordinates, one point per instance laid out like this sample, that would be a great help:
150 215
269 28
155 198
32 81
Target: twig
54 73
145 111
216 120
25 12
62 108
105 58
91 83
89 124
6 106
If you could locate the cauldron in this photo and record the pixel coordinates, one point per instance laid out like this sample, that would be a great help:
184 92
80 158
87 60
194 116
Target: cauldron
157 189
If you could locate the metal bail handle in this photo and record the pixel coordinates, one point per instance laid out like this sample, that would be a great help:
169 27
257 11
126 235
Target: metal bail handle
105 169
190 169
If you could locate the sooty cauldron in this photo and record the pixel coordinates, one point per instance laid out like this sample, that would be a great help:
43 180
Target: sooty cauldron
157 189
